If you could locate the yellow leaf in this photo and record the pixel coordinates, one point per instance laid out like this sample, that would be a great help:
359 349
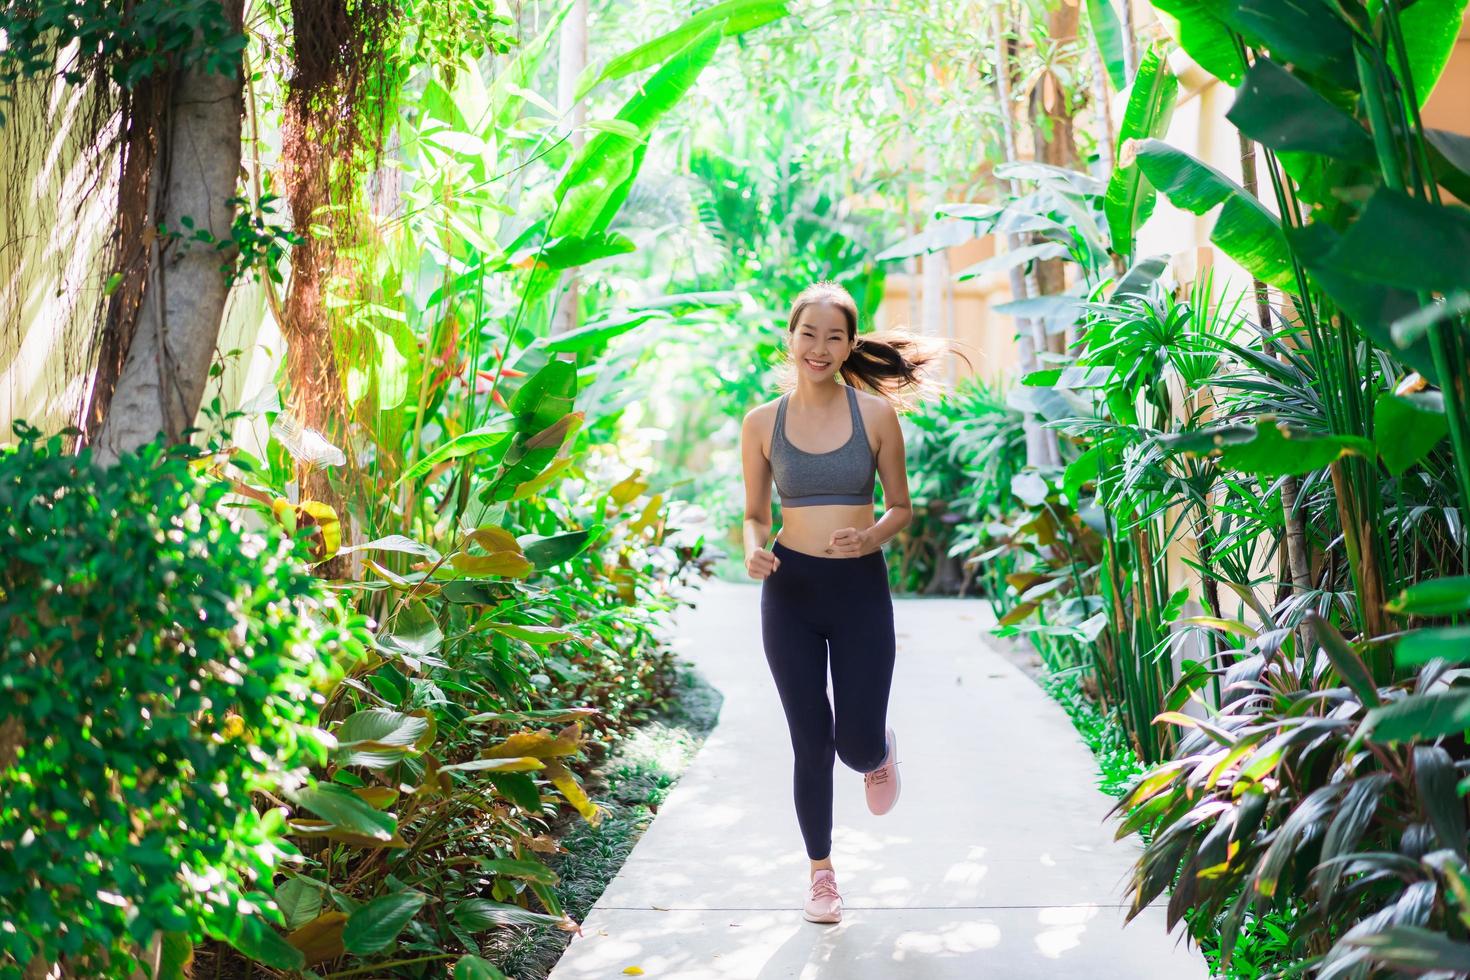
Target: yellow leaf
625 490
285 513
633 971
506 564
494 538
561 777
377 797
537 745
321 938
325 520
649 517
1228 625
399 582
547 477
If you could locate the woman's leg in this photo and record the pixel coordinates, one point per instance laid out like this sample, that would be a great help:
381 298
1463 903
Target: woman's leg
797 654
862 664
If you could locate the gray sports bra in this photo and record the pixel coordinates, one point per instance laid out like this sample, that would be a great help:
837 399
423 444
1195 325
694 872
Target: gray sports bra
842 476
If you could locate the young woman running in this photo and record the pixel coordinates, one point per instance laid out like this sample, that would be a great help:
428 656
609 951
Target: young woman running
824 585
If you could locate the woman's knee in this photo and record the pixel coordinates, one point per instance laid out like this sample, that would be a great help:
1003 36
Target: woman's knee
863 754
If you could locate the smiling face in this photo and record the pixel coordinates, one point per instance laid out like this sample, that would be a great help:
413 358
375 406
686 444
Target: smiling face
819 341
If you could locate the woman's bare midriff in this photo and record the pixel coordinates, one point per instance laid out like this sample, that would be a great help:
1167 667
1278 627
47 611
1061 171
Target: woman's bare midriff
809 529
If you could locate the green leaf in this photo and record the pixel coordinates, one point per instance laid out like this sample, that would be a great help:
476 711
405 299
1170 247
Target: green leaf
256 940
1306 33
478 914
1449 643
413 632
1204 36
1345 660
476 968
1414 948
545 397
596 333
544 552
1374 307
571 250
372 927
1244 229
1019 256
1084 469
1419 717
1268 448
1449 157
1431 30
517 764
1130 198
378 738
1414 327
537 635
1108 31
300 900
519 788
598 179
731 17
395 542
1143 274
1407 427
176 956
944 234
1280 111
1394 227
1436 597
346 811
1435 778
492 435
524 870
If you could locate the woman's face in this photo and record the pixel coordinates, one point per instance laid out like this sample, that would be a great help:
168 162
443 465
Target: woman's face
819 341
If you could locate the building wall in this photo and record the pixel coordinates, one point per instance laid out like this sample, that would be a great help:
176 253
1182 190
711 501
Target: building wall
1198 126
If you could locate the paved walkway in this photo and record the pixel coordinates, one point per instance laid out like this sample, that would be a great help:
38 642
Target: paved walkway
995 864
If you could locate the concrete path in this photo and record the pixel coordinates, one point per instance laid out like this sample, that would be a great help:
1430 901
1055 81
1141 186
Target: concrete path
996 862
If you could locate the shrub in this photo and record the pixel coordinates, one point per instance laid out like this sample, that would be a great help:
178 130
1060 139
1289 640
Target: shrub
159 665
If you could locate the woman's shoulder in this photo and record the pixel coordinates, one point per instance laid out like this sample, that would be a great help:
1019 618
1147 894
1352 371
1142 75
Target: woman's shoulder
762 418
765 409
873 406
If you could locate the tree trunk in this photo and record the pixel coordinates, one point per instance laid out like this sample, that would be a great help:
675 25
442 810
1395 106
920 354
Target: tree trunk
569 70
183 297
142 112
1054 143
1040 443
1295 543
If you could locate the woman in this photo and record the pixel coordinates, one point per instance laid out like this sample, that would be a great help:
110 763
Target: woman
825 583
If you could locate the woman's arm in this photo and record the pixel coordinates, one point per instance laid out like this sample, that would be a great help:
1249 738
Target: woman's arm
892 470
757 525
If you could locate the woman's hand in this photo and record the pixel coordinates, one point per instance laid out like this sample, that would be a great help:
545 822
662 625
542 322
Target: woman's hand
760 563
849 542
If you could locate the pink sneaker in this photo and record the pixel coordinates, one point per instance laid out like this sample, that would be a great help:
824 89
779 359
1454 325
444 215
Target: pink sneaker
823 904
882 783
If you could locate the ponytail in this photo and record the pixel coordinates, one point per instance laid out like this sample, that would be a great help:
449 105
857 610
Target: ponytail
889 363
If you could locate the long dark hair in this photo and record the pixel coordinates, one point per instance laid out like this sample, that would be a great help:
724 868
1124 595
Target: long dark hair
887 362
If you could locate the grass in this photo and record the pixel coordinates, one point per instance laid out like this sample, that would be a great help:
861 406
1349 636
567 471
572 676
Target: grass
631 783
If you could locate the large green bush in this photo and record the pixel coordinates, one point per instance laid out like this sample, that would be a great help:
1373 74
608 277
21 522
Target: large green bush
159 665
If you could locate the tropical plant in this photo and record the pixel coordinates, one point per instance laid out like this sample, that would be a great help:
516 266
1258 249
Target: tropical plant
162 666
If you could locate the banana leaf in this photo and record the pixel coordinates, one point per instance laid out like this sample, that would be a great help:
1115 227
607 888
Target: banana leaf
1244 229
1130 198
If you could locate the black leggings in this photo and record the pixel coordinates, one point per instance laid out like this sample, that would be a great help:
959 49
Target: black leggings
807 604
